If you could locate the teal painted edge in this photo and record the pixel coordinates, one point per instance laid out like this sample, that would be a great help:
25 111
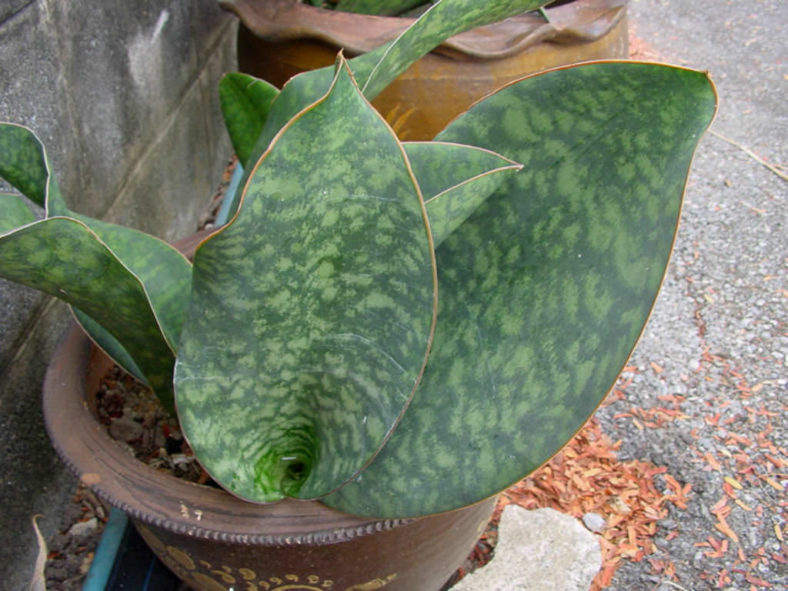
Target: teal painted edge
106 552
227 200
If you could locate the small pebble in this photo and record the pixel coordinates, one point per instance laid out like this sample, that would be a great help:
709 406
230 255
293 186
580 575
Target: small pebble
594 522
83 528
124 429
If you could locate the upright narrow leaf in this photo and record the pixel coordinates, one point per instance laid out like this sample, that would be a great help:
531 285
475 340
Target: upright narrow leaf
546 287
245 102
312 311
377 69
378 7
24 164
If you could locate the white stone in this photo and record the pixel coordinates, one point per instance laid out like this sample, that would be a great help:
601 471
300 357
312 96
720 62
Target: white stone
538 550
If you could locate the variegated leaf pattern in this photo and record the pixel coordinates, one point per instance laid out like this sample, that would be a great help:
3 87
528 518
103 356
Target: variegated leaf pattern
158 276
455 180
64 258
378 7
165 273
375 70
546 288
312 311
24 164
113 348
14 212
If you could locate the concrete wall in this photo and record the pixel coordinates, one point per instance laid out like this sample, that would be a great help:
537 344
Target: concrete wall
123 95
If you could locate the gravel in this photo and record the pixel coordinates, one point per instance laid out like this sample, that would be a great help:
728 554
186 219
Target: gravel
716 344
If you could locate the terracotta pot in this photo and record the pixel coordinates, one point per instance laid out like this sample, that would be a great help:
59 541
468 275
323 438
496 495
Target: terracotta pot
280 38
213 540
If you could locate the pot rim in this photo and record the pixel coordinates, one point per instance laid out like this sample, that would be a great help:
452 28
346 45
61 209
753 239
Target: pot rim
160 499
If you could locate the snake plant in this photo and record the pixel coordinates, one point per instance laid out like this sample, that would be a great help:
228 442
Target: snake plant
397 329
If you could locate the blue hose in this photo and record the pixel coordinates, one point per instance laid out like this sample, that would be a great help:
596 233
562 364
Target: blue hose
224 210
106 552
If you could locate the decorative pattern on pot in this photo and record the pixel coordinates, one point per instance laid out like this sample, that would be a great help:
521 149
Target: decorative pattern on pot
421 554
213 577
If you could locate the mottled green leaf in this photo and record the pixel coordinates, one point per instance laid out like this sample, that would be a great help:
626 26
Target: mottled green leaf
64 258
545 289
312 311
375 70
454 180
164 272
160 270
245 102
166 278
14 212
24 164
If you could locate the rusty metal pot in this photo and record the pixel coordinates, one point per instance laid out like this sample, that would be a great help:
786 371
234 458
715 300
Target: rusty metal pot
280 38
213 540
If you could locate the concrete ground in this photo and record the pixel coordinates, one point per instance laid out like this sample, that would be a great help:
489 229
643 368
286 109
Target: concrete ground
717 342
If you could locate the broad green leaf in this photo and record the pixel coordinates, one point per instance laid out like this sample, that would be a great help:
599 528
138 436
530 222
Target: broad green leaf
164 274
245 102
14 212
166 278
24 164
546 288
64 258
454 180
312 311
375 70
378 7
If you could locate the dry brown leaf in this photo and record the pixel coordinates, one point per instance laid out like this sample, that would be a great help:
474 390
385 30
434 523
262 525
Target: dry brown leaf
38 582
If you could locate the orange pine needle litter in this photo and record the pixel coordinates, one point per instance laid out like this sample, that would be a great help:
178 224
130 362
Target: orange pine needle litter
587 477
